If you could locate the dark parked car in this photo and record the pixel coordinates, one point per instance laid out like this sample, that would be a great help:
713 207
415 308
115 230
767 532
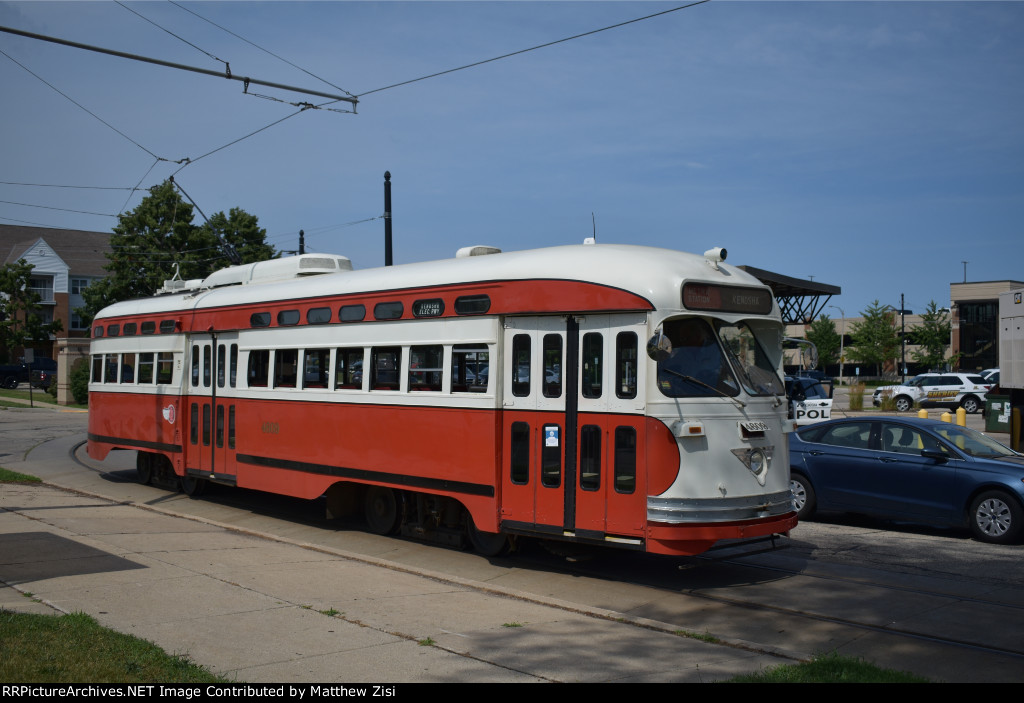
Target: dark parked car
12 374
912 470
43 379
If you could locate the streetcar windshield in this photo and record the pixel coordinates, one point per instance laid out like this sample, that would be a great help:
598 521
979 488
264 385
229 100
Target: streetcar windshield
755 370
696 367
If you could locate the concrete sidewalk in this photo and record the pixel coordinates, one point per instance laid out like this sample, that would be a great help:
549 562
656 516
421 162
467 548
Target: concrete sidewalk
259 609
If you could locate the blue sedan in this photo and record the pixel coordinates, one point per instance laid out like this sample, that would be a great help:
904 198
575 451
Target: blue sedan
922 471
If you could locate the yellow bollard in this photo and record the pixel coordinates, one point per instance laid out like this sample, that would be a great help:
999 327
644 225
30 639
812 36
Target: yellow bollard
961 417
946 417
923 414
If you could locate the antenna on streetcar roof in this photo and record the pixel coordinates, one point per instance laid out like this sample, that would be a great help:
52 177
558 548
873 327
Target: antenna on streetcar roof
592 239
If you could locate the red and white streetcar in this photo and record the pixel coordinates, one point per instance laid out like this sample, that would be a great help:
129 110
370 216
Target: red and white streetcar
610 394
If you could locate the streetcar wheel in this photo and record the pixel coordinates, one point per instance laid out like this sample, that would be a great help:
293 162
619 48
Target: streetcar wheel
144 467
903 404
193 487
804 500
970 405
488 544
996 517
381 510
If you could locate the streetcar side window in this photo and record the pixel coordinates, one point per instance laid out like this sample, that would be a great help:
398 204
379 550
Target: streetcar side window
590 457
146 363
207 366
521 365
164 367
259 368
625 459
195 365
221 363
220 425
593 364
316 366
318 316
234 365
552 366
194 426
426 367
127 371
388 311
97 368
288 317
470 368
625 364
286 368
520 453
149 327
206 424
231 427
351 313
348 372
385 365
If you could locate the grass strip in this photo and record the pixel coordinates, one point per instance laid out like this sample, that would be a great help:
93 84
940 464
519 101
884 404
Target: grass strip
76 649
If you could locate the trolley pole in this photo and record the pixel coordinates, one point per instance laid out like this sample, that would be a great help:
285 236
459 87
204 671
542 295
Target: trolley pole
387 218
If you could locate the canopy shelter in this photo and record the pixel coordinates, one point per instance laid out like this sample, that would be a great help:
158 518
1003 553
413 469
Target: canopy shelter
800 301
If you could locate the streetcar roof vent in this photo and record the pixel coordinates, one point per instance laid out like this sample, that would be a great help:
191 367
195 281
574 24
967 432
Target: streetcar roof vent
283 269
479 250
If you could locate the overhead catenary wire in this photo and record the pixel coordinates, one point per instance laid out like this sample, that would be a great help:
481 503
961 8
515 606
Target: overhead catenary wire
59 185
250 43
533 48
62 209
227 66
72 100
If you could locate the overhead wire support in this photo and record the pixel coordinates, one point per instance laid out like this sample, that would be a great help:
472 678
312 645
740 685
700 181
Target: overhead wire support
183 67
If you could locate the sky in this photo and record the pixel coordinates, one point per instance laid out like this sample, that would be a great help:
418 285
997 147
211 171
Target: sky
873 146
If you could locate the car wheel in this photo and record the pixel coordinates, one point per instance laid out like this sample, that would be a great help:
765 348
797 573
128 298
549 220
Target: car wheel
804 500
969 404
10 382
903 403
996 517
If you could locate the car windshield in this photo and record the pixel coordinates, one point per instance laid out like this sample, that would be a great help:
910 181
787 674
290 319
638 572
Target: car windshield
973 443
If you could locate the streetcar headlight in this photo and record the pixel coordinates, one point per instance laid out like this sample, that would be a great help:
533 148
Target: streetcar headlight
757 460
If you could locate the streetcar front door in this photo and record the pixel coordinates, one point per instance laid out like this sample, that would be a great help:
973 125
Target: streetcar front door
212 376
573 425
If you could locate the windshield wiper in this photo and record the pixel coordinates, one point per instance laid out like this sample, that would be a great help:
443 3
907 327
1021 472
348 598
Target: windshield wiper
691 379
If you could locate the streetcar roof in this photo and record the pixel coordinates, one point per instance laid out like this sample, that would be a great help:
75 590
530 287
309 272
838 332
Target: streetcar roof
651 273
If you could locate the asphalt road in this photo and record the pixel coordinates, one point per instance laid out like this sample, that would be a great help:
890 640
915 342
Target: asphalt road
915 598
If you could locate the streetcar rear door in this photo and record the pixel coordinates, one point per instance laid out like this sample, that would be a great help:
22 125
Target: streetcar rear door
210 410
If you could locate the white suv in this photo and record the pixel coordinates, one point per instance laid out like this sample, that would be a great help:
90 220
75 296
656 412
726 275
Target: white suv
943 389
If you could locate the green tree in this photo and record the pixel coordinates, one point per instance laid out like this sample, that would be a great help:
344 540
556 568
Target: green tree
875 340
20 322
822 333
150 240
933 337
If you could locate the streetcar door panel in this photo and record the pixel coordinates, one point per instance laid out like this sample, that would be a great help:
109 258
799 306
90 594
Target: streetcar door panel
212 375
611 485
534 462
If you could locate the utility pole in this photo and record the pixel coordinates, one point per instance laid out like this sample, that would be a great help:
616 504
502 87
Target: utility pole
387 218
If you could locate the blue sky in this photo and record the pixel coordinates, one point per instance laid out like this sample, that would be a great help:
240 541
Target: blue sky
871 145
